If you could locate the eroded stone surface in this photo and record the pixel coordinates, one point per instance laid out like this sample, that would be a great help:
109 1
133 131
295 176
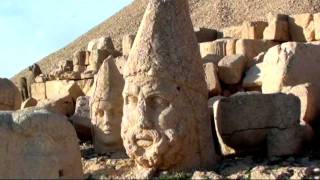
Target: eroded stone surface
165 94
10 97
37 144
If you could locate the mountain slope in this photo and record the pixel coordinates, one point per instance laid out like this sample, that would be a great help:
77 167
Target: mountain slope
208 13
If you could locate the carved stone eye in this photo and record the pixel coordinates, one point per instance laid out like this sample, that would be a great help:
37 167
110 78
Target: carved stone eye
157 103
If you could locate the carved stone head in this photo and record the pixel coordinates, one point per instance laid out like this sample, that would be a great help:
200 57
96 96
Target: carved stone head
165 121
106 107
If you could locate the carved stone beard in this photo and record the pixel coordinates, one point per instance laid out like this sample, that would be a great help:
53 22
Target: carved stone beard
164 151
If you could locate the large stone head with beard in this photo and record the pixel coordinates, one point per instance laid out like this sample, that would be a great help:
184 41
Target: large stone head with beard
165 121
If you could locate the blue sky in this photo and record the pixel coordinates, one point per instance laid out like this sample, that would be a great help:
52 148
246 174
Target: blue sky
32 29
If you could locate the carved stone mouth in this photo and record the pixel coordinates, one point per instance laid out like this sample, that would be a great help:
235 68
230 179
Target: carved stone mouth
144 141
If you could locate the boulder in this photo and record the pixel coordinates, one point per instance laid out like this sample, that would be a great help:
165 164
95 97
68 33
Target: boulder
205 34
230 68
30 102
81 118
253 30
232 32
10 97
218 48
102 43
243 121
293 64
212 79
251 48
253 77
301 27
64 105
37 144
316 20
127 42
278 28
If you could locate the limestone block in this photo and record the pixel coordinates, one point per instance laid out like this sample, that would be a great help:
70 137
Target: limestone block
253 30
64 88
277 29
230 68
30 102
205 34
316 20
10 97
218 48
251 48
301 27
253 77
38 91
232 32
106 108
37 144
243 121
212 79
81 118
127 42
289 65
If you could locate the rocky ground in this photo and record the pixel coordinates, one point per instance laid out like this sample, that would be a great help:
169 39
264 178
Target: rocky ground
118 166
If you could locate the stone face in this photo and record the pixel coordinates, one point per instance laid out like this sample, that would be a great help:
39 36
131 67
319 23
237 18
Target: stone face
212 79
165 122
100 43
253 77
79 58
251 48
316 20
205 34
127 42
81 118
96 58
37 144
106 108
278 28
253 30
243 121
291 64
232 32
230 68
301 27
10 97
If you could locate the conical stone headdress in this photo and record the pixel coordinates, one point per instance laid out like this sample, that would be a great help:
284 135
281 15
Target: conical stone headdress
166 46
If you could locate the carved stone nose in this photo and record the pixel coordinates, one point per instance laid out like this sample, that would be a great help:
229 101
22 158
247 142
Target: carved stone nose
143 119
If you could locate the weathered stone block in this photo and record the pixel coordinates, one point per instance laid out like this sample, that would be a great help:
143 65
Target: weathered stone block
38 91
316 20
278 28
301 27
205 34
212 79
230 68
243 121
232 32
253 77
251 48
10 97
253 30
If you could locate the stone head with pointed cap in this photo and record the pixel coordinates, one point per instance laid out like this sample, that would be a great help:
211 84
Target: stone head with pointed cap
165 123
